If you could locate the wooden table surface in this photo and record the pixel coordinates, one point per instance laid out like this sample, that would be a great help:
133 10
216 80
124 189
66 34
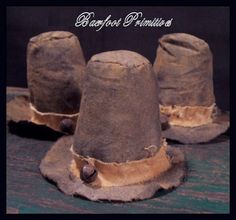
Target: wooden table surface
205 190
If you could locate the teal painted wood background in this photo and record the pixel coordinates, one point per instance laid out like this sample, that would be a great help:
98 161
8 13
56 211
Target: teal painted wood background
205 190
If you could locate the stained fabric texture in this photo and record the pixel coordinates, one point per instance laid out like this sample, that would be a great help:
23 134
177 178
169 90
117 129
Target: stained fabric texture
119 114
56 166
20 109
122 174
188 116
55 71
184 70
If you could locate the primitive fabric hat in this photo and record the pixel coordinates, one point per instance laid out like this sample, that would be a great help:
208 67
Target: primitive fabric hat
184 70
117 152
55 71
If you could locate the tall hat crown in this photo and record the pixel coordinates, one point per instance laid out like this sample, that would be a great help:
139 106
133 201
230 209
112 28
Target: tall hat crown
184 70
55 68
116 152
119 113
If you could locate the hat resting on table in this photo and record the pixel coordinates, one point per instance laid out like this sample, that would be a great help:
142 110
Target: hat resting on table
184 71
55 71
117 152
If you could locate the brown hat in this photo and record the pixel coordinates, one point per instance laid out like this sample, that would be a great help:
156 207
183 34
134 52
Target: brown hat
184 71
55 71
117 152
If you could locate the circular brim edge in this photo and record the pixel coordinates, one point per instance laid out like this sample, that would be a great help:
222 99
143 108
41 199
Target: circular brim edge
200 134
55 166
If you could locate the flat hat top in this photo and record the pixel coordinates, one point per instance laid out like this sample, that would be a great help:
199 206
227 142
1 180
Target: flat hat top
122 57
51 35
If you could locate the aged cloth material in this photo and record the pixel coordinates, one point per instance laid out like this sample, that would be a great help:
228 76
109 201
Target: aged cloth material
117 143
56 166
184 70
55 74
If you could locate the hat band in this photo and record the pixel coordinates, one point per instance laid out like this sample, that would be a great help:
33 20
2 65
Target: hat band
50 119
188 116
122 174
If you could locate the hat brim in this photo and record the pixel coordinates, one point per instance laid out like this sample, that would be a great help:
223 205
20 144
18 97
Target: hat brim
55 166
18 110
199 134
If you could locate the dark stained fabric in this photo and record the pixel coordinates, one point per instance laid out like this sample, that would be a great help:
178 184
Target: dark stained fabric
184 70
55 70
119 113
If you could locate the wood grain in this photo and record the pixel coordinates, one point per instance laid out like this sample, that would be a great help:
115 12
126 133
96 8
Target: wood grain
205 190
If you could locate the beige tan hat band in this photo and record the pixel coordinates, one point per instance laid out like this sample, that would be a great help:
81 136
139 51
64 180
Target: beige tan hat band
122 174
50 119
188 116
